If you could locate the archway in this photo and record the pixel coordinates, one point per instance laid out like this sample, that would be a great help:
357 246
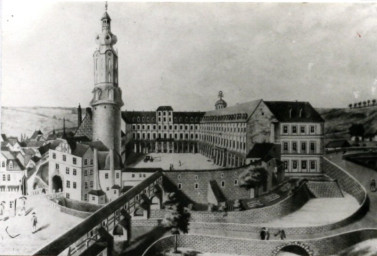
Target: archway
155 203
294 248
57 184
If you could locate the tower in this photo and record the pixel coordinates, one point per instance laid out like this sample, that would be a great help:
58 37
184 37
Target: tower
107 96
79 116
220 103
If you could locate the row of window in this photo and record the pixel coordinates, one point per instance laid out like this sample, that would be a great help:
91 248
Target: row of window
5 177
303 165
140 175
231 144
10 165
299 129
74 159
292 147
153 136
222 184
222 128
165 127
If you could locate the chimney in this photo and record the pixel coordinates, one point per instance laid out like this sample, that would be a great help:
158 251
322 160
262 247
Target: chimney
290 113
300 112
89 112
79 116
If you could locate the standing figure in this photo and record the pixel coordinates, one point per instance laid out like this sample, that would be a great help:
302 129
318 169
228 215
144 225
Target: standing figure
34 221
281 232
263 234
267 234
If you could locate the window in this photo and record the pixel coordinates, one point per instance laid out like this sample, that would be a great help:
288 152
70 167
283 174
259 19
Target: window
196 177
312 165
285 165
8 177
106 175
179 177
179 185
86 161
86 197
222 175
235 182
86 185
303 147
85 172
107 188
67 195
53 155
115 191
302 129
67 170
312 129
74 184
4 177
196 185
68 184
294 129
74 160
10 164
57 166
91 161
74 172
93 198
91 171
133 175
294 164
91 184
294 146
285 129
303 164
117 175
312 146
285 146
223 183
64 158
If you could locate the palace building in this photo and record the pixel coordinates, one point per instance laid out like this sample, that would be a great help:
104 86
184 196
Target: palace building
228 134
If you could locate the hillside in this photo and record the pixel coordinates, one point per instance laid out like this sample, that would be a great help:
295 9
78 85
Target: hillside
17 120
338 121
25 120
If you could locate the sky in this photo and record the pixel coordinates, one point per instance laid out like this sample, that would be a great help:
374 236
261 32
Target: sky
182 54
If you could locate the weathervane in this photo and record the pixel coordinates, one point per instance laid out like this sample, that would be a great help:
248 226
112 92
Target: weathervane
221 94
106 6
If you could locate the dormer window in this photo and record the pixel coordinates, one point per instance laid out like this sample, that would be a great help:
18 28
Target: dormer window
10 164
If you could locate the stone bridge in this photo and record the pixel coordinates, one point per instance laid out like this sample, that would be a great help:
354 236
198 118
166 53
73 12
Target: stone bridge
110 224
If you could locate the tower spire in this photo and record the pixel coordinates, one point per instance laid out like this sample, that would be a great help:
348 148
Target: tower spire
106 6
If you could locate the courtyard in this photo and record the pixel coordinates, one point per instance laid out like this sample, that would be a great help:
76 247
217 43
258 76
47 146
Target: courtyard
180 161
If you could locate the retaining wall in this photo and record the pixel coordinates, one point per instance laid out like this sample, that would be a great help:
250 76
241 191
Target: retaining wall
315 247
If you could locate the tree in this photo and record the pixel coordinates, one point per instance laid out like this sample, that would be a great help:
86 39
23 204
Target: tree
350 105
359 104
374 102
357 130
364 103
368 101
253 178
355 105
176 219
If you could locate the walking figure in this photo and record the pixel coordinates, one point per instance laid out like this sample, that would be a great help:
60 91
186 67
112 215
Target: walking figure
34 221
263 234
281 232
373 185
180 164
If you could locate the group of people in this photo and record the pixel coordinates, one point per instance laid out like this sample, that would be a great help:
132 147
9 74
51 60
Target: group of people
265 234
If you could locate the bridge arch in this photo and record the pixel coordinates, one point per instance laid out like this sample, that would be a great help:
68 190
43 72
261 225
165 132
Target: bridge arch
293 247
57 183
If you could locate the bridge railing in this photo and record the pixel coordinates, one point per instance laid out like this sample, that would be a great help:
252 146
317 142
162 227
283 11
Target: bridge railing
80 237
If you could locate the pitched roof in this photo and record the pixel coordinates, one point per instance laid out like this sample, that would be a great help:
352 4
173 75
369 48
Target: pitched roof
240 112
79 149
12 140
34 144
51 145
293 111
86 127
97 145
187 117
145 117
164 108
36 134
10 156
96 192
